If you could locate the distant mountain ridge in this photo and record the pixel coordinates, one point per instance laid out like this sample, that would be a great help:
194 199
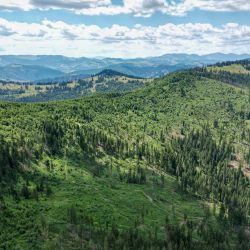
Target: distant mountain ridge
24 73
62 68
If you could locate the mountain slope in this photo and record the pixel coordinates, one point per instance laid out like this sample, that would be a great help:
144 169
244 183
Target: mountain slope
141 170
236 67
236 73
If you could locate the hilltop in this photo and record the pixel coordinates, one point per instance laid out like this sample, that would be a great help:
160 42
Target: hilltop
113 73
235 73
235 67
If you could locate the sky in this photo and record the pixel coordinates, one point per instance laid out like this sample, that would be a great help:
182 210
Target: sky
124 28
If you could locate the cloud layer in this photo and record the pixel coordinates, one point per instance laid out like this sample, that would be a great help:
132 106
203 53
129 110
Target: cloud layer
135 7
50 37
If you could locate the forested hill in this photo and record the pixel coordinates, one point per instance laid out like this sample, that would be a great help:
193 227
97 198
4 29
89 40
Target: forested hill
236 73
237 67
113 73
162 167
233 72
107 81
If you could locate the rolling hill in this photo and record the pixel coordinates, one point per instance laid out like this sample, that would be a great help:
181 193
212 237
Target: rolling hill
106 81
235 67
236 73
161 167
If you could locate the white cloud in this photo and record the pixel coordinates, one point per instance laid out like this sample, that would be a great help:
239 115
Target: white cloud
70 4
211 5
15 4
148 7
136 7
52 4
59 37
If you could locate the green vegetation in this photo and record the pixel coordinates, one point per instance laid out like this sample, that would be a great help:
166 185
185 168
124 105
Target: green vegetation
235 73
162 167
107 81
238 67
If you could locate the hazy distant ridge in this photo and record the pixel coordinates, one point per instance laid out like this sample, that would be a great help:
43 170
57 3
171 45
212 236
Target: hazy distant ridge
33 68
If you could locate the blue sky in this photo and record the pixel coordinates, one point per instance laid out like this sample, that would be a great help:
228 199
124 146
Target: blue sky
124 28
